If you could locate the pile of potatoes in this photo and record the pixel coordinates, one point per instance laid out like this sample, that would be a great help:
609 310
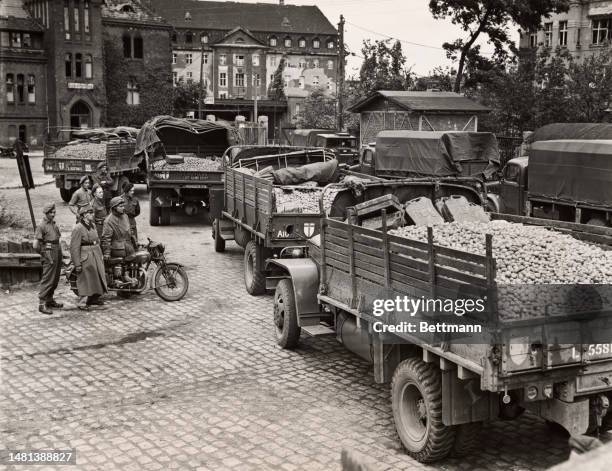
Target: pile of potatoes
190 164
524 254
82 151
302 200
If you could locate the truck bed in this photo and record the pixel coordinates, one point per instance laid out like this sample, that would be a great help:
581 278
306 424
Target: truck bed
182 176
119 156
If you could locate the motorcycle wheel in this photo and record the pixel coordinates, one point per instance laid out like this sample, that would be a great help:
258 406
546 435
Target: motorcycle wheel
171 284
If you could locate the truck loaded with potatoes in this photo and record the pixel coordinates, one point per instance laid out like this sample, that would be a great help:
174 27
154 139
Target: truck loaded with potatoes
470 316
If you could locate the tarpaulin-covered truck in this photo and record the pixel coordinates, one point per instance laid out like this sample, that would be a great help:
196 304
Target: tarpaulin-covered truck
542 347
68 161
266 207
183 162
405 154
566 180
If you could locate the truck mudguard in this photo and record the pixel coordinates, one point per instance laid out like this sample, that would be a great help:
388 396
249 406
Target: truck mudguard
304 275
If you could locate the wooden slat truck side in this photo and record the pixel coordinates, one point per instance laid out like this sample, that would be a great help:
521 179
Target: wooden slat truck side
442 390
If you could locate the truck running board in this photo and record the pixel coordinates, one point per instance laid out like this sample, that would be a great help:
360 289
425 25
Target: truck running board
317 330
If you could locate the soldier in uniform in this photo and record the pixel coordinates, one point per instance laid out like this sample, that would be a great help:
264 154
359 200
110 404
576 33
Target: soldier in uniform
81 197
87 259
99 208
47 243
132 208
116 233
102 178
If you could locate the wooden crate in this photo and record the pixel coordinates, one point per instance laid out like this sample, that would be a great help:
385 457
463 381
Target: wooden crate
19 263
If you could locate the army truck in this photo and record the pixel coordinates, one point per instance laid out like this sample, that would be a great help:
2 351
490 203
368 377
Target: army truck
542 350
68 161
183 160
343 144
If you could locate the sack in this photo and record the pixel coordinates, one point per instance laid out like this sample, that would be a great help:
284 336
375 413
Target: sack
320 172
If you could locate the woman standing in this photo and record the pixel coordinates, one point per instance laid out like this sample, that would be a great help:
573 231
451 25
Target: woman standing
87 259
132 208
99 208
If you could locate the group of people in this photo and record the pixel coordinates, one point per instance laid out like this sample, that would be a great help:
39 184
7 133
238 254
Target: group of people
105 228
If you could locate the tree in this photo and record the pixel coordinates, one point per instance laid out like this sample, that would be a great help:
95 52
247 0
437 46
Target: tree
441 78
319 111
383 67
276 90
185 97
491 18
589 85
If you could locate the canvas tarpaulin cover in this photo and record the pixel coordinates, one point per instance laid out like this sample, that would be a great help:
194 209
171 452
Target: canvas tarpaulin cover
572 170
556 131
179 131
429 153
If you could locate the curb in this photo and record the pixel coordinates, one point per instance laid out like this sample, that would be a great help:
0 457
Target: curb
19 186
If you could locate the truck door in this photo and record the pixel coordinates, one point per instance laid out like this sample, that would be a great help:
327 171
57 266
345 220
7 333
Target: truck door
511 190
366 162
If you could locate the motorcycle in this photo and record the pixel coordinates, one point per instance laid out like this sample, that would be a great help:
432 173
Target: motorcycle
130 275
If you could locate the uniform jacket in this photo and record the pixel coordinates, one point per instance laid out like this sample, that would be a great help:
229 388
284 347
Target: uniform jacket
132 208
85 253
117 236
81 197
106 182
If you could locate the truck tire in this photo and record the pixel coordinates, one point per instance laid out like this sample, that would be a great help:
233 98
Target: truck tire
285 315
416 399
219 241
164 218
65 194
154 211
254 280
466 439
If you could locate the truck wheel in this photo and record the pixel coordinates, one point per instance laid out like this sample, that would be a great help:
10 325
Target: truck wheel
466 439
65 194
154 211
597 222
254 280
219 241
285 315
164 218
416 399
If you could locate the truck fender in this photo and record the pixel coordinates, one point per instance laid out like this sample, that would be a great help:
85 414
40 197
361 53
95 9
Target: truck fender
493 203
304 275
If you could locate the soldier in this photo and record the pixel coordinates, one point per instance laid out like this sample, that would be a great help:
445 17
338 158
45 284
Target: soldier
81 197
102 178
116 234
99 208
87 259
47 243
132 208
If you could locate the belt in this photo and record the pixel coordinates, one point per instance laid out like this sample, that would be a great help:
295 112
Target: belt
85 244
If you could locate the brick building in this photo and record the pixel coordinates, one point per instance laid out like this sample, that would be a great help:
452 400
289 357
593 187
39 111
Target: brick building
23 71
60 71
585 29
237 47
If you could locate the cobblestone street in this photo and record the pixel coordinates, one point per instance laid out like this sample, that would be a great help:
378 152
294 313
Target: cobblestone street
200 384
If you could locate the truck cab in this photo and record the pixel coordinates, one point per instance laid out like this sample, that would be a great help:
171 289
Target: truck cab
343 144
513 186
366 159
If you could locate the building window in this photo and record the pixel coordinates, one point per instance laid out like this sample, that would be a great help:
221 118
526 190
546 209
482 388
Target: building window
189 58
188 37
15 39
66 19
271 78
27 40
302 64
273 61
222 59
239 80
255 60
138 49
88 66
189 75
223 95
287 42
223 79
329 84
316 43
239 60
287 81
175 77
601 30
204 38
548 34
10 88
315 63
562 33
302 82
20 88
76 13
206 58
533 39
78 65
68 64
173 37
302 42
12 132
330 65
273 41
331 44
174 57
315 80
133 94
22 133
127 46
31 89
86 19
257 80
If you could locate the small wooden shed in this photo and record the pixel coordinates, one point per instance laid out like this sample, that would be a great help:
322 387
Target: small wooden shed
417 111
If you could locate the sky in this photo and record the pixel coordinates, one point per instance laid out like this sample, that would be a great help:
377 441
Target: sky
407 20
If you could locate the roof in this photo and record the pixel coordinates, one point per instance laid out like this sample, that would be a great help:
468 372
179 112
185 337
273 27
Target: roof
14 17
423 101
263 17
556 131
131 10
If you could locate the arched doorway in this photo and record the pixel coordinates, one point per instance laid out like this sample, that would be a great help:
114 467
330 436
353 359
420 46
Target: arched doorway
80 115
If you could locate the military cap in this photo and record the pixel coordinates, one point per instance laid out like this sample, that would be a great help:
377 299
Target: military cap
83 178
102 164
116 201
85 209
48 207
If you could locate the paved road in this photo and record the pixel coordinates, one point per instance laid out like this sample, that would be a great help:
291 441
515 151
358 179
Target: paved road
200 384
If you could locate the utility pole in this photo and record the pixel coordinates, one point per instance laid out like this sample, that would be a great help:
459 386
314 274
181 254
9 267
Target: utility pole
341 56
255 97
200 97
